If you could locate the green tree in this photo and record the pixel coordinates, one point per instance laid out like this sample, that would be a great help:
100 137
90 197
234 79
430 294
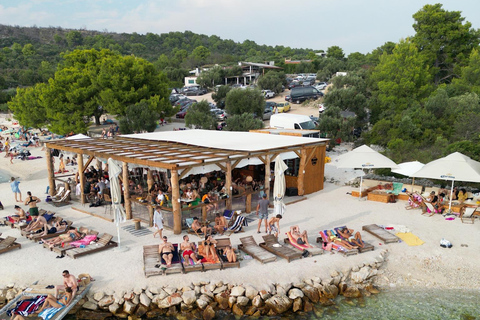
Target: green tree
201 54
138 118
28 50
272 81
243 122
29 106
74 38
335 52
240 101
444 38
199 116
211 77
220 96
332 123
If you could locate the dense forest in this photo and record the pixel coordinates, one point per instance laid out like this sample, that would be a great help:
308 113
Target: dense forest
418 98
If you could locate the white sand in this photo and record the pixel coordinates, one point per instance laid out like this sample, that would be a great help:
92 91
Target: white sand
425 265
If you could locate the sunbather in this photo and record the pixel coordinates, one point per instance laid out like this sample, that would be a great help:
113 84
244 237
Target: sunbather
220 223
301 237
19 214
70 236
336 240
209 246
188 251
229 253
39 222
351 238
165 250
56 227
52 302
414 200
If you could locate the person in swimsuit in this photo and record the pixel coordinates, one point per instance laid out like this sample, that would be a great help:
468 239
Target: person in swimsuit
220 223
196 226
274 225
56 227
336 240
31 202
302 237
209 246
70 236
19 214
166 251
230 254
52 302
188 251
351 238
39 222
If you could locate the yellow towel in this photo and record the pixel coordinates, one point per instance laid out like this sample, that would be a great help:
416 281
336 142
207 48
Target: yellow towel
410 239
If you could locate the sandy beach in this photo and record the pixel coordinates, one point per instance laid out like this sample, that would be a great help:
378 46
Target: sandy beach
427 265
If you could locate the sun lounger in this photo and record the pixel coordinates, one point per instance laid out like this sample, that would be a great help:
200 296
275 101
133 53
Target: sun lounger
153 264
237 225
63 200
191 266
271 244
198 232
312 250
8 244
381 233
337 247
468 214
103 243
60 250
210 263
366 246
249 246
38 236
59 194
221 245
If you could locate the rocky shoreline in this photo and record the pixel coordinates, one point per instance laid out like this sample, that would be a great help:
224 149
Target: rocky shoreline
206 300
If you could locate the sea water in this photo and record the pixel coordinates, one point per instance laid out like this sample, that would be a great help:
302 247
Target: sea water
4 176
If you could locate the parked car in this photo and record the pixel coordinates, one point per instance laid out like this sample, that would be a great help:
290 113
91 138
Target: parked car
321 85
221 115
270 105
301 94
321 108
268 94
287 98
267 113
283 107
181 114
182 102
194 91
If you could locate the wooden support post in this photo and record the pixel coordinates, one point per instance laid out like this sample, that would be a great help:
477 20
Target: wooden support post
177 210
267 176
81 177
149 181
126 191
301 172
248 203
228 185
51 172
204 213
150 213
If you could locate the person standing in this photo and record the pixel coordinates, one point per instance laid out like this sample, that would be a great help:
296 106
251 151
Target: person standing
69 280
31 202
158 221
262 212
274 225
15 189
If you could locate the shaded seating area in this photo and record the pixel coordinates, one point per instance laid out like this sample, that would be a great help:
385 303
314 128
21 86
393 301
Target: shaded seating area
250 246
272 245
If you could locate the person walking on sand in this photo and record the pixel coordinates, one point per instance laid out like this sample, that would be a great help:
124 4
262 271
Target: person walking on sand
158 221
262 209
69 280
14 185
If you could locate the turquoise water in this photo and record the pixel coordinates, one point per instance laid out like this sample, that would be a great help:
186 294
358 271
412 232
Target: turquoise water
4 176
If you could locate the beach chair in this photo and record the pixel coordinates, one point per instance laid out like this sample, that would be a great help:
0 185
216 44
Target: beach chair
60 193
237 225
8 244
153 264
249 246
222 245
271 244
210 263
468 214
428 208
312 250
191 266
63 200
103 243
228 214
381 233
366 246
334 246
189 222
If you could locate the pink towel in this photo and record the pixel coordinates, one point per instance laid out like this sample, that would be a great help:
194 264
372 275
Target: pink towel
85 241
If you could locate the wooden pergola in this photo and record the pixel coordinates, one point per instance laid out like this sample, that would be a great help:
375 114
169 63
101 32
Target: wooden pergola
176 157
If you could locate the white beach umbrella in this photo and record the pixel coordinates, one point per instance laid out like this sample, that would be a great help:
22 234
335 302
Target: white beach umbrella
279 186
364 157
409 168
114 171
79 136
456 167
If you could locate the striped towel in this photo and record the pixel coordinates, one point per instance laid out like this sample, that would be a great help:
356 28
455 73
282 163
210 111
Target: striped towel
48 313
27 306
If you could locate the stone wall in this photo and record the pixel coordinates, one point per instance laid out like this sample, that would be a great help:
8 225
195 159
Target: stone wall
208 299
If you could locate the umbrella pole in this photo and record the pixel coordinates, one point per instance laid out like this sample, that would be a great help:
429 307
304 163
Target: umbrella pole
360 193
118 235
451 196
413 182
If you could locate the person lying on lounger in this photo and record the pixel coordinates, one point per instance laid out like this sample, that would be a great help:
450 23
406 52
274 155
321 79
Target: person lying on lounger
336 240
188 251
165 250
351 238
38 222
70 236
52 302
58 226
229 253
301 237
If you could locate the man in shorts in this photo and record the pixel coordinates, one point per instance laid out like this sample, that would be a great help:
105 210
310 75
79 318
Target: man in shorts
165 250
301 237
188 251
69 280
274 225
262 212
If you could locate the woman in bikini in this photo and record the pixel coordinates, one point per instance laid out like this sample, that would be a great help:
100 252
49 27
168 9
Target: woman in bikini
70 236
31 202
351 238
336 240
52 302
229 253
209 246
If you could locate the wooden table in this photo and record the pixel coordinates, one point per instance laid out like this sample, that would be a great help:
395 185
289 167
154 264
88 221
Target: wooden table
381 196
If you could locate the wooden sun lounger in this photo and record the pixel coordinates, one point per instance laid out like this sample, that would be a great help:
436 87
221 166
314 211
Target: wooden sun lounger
103 243
151 258
209 265
313 250
61 250
337 247
222 244
249 246
381 233
8 244
366 246
271 244
190 267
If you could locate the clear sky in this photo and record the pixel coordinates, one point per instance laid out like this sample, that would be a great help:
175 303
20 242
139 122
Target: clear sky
317 24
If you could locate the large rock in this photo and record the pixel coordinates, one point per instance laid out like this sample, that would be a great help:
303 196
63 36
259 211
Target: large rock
89 305
119 296
311 293
141 310
370 288
137 290
257 302
329 291
279 303
237 291
106 301
91 315
222 300
363 274
11 293
208 313
145 300
206 291
219 289
297 304
202 304
250 292
231 301
242 301
237 310
189 297
129 295
113 308
250 311
264 294
307 305
99 295
169 301
170 290
295 293
129 307
352 292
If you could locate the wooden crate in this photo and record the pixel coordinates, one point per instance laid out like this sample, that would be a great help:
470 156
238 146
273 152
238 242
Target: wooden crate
380 197
402 196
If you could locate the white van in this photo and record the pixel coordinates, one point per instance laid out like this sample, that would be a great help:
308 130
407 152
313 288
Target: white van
291 121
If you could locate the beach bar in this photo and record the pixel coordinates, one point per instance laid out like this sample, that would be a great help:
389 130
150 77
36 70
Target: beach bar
186 152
